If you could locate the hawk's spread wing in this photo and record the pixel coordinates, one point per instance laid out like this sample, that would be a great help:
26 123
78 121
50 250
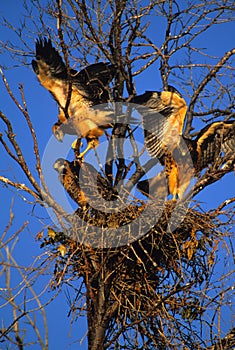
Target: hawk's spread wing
163 119
48 58
90 81
95 78
163 116
212 141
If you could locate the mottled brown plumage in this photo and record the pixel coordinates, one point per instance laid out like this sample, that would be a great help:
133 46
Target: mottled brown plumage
82 182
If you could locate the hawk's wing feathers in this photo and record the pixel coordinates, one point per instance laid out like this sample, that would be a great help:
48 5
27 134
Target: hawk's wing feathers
163 118
90 81
211 142
47 54
99 72
95 78
155 127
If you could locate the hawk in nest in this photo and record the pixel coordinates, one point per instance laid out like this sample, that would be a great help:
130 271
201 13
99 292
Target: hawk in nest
163 115
76 93
214 145
82 182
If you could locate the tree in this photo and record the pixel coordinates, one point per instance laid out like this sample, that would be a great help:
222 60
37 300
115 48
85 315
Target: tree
150 284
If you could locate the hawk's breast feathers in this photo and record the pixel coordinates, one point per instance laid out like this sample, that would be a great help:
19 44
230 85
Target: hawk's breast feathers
84 184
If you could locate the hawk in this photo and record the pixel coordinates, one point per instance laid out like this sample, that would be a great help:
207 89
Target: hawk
82 182
163 116
76 93
214 144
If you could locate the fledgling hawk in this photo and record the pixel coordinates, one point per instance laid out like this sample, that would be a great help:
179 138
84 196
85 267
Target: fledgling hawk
82 182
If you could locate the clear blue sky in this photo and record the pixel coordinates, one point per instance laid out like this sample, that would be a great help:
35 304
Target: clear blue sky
43 111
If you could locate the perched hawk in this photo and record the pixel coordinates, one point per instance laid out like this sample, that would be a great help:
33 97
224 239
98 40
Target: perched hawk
163 116
76 93
214 144
82 182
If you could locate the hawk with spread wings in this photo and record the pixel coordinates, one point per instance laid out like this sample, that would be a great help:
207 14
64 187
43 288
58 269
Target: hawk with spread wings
82 182
213 145
163 116
76 93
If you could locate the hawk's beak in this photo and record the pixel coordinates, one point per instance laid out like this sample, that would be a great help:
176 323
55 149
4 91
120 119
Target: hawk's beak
58 133
59 165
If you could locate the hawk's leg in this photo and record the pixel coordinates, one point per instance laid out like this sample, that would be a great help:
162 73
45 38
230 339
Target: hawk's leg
172 173
76 145
91 143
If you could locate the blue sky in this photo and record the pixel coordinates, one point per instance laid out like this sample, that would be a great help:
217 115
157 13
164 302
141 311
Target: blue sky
43 111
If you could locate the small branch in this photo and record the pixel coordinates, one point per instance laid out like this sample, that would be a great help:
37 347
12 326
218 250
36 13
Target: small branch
212 176
10 92
222 205
202 85
65 53
12 325
20 186
88 21
226 343
30 125
20 158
